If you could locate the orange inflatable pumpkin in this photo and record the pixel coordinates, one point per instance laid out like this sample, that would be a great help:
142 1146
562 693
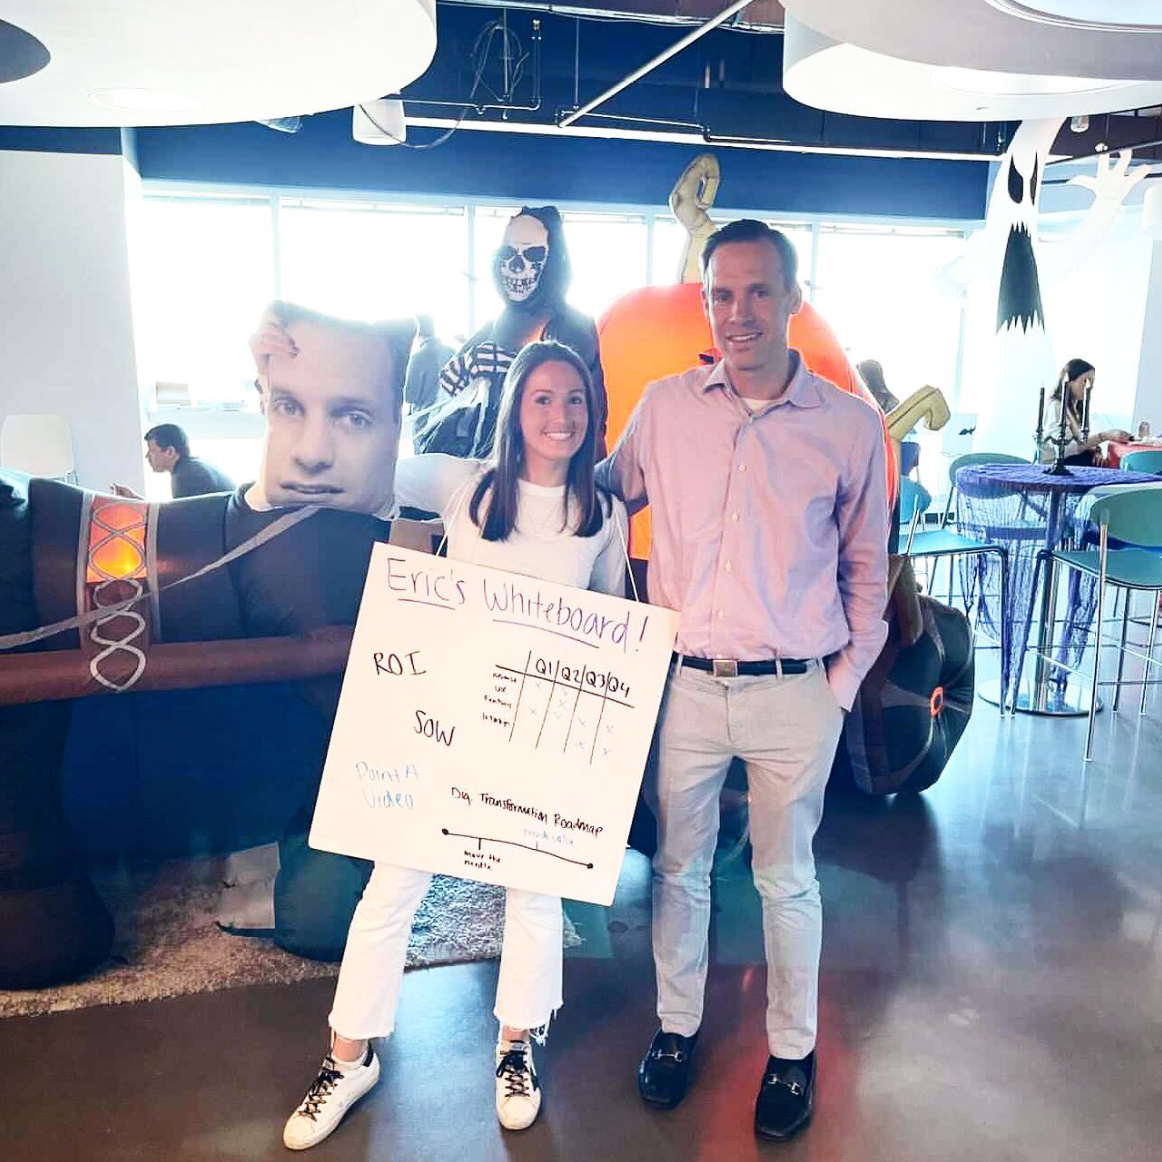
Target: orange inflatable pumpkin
662 330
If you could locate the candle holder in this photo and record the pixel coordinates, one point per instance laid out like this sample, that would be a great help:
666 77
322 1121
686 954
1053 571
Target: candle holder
1060 440
1039 435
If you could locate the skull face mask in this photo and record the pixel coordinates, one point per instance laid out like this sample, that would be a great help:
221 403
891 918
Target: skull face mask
521 257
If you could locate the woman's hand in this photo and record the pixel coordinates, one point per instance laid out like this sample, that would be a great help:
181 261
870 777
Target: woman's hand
1118 435
271 338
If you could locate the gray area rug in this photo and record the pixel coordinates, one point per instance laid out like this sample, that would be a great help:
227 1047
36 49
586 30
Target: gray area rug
169 944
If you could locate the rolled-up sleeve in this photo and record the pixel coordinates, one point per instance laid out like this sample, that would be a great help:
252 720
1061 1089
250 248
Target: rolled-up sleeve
862 572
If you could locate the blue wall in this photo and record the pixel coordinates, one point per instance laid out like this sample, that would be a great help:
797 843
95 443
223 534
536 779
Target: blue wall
35 140
481 164
484 164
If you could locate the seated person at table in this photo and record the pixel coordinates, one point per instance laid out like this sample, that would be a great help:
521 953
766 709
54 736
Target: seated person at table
1083 448
167 448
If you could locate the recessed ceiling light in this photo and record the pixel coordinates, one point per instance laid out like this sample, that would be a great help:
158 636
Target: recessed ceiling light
143 100
1018 84
1097 15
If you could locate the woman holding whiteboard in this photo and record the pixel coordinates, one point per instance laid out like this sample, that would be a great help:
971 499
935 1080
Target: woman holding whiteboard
532 509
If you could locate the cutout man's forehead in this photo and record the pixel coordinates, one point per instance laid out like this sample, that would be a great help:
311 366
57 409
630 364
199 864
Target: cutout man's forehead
337 359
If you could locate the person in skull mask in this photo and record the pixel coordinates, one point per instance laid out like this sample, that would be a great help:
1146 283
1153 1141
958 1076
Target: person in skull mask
531 270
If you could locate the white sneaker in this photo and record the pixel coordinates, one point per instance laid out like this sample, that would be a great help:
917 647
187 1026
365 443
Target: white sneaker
518 1090
331 1095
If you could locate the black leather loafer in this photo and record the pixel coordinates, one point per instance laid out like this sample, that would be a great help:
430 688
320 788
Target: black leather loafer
786 1098
664 1074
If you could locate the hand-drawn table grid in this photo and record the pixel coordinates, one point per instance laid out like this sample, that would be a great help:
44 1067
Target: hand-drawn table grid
558 692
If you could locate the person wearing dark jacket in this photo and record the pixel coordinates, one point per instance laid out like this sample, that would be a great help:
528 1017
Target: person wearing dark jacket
531 270
167 449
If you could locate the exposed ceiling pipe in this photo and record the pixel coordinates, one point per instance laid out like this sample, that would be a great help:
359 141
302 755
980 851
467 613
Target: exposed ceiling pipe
763 15
650 65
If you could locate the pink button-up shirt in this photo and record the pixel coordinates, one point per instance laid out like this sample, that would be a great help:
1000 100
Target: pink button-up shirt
769 529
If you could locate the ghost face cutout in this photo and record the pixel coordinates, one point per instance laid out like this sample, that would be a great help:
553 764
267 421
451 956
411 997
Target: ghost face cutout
1013 209
520 259
333 418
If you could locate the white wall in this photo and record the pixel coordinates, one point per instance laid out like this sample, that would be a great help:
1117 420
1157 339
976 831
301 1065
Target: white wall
1107 310
1097 313
66 320
1148 403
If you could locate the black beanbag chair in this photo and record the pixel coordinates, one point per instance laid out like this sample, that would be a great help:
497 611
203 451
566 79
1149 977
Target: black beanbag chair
53 925
914 704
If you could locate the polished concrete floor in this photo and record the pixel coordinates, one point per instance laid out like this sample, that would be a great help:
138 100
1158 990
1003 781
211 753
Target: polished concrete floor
991 989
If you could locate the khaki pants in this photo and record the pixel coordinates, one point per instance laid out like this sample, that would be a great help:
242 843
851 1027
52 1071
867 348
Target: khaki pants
785 729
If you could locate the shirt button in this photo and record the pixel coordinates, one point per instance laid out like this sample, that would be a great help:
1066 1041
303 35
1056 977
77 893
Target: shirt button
742 468
734 517
728 566
721 614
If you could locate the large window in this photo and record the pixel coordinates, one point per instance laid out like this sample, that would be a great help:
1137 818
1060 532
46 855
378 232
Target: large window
205 271
885 294
368 260
210 263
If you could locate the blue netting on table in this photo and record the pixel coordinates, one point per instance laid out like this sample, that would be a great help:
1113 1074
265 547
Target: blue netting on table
1025 510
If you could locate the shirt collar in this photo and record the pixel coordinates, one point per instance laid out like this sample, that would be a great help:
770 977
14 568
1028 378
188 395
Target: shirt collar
801 392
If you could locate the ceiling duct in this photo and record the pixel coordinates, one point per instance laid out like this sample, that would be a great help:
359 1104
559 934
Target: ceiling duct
759 16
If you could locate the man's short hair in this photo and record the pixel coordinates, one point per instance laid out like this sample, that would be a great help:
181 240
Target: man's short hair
170 436
425 326
752 230
397 334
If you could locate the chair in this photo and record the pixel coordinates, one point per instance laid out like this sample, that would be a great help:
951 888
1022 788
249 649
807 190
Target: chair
964 462
39 444
1133 518
909 457
1143 462
950 507
942 542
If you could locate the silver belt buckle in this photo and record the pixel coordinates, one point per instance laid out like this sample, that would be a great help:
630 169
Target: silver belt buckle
724 667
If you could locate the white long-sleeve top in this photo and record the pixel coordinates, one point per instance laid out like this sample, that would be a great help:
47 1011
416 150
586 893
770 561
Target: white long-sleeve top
543 544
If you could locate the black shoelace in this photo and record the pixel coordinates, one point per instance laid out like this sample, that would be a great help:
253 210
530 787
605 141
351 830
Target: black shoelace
514 1070
320 1089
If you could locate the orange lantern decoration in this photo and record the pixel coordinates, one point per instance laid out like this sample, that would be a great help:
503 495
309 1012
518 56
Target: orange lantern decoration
658 331
116 540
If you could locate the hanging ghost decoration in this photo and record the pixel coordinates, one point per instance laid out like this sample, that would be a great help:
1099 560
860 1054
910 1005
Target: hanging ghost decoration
1008 370
1019 293
1020 354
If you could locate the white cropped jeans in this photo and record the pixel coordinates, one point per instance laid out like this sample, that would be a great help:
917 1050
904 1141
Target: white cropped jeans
367 996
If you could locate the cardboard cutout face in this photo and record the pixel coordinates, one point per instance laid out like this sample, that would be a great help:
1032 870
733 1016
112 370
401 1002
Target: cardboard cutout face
333 414
521 258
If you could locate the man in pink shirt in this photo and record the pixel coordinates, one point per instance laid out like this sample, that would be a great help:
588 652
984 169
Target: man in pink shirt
770 528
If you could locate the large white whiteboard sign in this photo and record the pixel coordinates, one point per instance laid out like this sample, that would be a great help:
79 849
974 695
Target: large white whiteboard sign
492 726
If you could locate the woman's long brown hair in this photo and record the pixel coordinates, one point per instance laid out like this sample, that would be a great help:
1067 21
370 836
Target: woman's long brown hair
1071 371
500 485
